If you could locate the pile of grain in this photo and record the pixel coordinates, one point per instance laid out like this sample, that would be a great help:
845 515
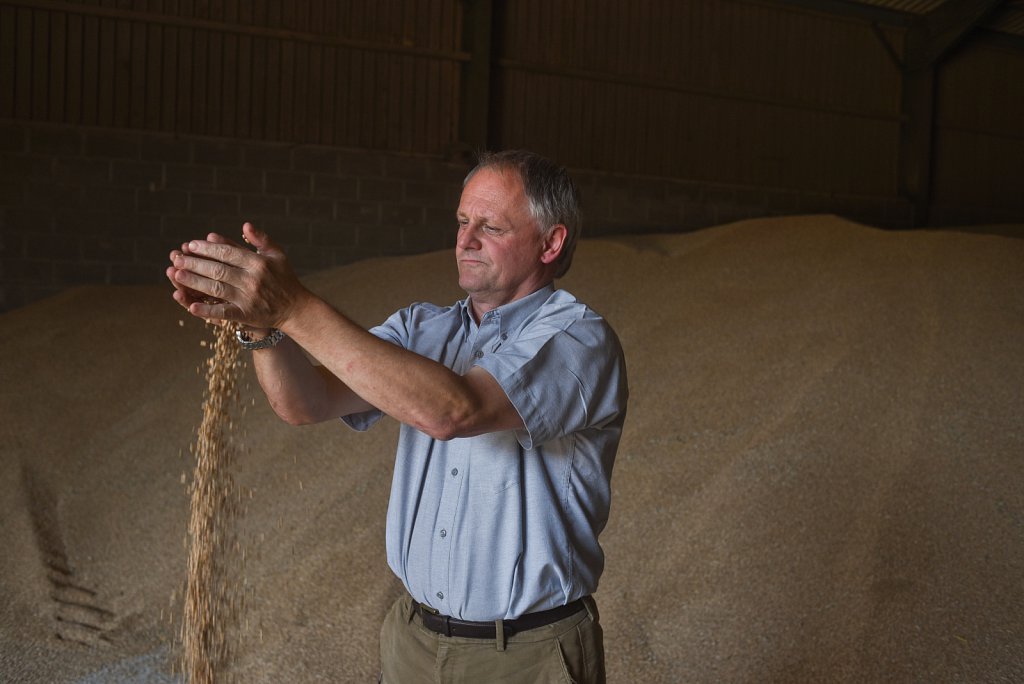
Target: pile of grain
213 595
819 479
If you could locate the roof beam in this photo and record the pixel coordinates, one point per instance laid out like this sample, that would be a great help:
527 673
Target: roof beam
926 44
942 28
853 9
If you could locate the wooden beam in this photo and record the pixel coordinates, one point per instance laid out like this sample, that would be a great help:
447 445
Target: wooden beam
717 92
916 135
235 28
942 29
847 8
927 43
474 114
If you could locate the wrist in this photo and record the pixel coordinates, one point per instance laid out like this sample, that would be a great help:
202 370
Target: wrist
252 342
302 313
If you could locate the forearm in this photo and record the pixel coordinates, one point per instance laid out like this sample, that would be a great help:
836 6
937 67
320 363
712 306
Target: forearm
360 371
410 388
299 391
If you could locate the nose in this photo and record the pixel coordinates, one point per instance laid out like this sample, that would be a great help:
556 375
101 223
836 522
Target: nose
467 237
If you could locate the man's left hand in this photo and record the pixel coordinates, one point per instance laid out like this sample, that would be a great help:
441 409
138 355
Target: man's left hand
218 278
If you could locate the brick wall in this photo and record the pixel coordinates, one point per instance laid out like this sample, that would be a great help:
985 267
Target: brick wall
99 206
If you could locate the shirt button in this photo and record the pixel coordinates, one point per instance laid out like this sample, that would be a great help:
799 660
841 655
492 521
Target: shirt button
444 533
455 471
478 353
440 595
504 336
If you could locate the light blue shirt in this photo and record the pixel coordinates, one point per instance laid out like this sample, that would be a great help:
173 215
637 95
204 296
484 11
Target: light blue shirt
506 523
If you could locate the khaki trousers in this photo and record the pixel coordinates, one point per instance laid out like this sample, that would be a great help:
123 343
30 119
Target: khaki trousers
570 651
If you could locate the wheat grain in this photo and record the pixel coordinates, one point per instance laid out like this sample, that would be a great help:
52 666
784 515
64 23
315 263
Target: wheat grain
212 600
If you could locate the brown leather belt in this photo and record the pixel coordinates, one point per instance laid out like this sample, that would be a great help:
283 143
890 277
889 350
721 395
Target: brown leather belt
453 627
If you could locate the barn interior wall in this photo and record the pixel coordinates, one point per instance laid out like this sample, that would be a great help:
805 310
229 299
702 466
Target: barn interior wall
713 91
979 145
127 127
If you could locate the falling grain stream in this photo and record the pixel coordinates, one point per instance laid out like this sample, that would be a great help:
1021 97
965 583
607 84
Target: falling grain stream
213 593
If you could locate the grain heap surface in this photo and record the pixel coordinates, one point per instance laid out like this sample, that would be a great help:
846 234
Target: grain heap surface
819 479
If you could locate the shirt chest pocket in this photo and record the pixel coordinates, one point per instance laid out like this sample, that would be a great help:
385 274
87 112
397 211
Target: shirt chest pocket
495 462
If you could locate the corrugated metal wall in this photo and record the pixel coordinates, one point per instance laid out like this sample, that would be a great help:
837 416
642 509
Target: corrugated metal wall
365 73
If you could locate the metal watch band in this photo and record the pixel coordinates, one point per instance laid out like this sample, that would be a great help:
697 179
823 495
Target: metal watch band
270 340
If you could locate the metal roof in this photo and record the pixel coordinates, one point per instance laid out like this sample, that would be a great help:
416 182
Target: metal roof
1007 17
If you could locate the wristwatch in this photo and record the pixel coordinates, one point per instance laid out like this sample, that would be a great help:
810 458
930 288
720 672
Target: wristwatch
270 340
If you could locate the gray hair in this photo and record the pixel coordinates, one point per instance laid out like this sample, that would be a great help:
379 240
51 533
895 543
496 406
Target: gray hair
552 195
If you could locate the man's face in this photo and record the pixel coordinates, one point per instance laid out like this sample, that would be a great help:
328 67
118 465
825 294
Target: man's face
499 245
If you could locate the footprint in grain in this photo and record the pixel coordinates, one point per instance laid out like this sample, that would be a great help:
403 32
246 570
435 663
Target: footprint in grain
79 617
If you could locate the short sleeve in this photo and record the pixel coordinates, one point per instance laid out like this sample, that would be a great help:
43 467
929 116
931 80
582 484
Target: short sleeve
563 373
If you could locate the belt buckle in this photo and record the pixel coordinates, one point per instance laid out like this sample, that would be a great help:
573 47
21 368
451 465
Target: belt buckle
435 616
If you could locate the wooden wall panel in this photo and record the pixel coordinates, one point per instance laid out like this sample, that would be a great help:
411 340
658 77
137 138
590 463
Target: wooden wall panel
744 92
382 75
8 52
979 134
22 82
712 90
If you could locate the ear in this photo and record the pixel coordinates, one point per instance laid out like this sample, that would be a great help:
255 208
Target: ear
554 241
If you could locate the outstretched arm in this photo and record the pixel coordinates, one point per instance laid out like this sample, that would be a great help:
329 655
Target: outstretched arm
260 290
300 391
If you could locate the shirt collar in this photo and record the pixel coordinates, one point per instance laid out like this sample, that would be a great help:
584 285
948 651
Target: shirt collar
508 316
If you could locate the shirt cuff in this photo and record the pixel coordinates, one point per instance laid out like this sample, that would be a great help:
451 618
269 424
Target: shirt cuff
363 421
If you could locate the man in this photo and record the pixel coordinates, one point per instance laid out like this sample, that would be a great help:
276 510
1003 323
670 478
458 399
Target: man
511 402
